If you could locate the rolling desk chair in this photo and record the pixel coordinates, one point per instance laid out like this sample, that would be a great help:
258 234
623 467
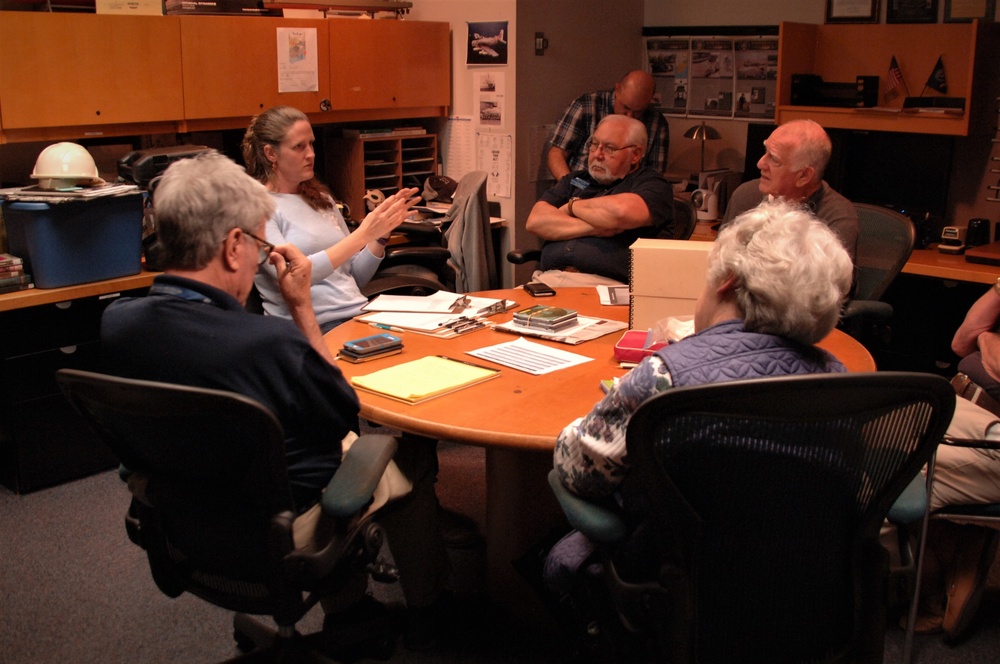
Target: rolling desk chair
751 516
213 510
885 242
912 511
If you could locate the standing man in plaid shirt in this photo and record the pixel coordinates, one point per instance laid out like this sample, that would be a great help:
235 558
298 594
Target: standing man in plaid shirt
632 96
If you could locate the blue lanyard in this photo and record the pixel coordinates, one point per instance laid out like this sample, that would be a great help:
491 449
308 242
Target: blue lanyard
181 292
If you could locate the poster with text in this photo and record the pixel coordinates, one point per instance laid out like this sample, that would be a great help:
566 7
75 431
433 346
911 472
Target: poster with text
756 77
667 60
711 79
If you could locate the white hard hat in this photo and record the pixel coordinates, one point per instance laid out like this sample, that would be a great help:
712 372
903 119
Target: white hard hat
65 165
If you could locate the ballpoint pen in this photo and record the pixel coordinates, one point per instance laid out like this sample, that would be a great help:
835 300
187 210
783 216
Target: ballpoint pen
382 326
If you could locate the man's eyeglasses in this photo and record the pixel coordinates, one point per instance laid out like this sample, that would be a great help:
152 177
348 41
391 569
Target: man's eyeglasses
264 250
609 150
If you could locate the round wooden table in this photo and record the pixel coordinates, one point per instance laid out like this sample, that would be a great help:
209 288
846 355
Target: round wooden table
517 418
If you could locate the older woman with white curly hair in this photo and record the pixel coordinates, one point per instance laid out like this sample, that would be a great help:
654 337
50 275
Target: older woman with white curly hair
775 284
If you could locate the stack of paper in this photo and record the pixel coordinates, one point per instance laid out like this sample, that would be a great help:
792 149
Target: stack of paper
423 379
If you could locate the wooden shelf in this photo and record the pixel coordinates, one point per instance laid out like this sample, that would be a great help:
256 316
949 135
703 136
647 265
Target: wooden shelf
841 52
384 163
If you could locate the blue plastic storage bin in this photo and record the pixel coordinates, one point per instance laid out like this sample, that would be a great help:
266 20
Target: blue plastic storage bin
74 242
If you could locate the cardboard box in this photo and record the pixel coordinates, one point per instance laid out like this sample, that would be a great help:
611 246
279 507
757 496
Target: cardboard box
76 242
133 7
666 279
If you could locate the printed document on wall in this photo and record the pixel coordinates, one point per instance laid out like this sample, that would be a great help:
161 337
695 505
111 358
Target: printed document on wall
298 65
495 158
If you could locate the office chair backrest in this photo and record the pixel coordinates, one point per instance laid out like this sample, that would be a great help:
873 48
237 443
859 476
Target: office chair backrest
885 242
211 463
685 218
768 495
469 238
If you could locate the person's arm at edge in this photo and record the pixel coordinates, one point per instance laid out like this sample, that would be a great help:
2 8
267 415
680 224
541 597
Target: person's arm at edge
557 161
554 223
609 215
980 319
294 280
590 454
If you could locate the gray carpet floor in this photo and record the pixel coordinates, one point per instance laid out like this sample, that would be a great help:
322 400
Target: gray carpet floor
74 589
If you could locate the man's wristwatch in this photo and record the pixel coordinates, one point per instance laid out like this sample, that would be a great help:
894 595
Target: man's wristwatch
996 286
569 207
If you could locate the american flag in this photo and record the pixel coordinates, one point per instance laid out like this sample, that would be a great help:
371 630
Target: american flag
893 79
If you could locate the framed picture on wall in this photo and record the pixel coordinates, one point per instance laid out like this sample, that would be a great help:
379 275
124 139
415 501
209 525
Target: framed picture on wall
911 11
963 11
852 11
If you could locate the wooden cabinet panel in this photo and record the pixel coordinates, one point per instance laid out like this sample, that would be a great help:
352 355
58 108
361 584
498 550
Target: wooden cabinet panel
231 66
389 64
59 70
841 52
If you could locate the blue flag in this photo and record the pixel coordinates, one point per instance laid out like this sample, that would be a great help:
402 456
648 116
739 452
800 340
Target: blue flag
937 80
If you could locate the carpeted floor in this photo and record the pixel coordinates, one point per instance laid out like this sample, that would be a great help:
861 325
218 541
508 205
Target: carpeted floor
74 589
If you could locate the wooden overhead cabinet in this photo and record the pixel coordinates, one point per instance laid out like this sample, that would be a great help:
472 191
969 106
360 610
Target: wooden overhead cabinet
390 65
231 66
88 75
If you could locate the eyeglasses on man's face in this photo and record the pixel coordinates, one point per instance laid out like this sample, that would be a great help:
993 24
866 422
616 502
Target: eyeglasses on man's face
264 248
593 145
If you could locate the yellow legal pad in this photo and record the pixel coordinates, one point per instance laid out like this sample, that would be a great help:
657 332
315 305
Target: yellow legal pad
423 379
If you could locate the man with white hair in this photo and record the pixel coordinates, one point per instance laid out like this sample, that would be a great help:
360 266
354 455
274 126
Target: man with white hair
792 168
591 217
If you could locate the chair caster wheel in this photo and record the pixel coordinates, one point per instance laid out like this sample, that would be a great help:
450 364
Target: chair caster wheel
243 642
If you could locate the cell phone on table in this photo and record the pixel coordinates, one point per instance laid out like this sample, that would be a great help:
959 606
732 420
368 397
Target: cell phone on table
538 289
372 344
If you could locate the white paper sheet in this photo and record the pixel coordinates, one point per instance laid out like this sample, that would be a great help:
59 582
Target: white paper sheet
529 357
440 302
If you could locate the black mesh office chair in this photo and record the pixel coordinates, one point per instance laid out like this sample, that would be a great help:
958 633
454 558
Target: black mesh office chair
213 510
885 242
685 218
912 514
752 513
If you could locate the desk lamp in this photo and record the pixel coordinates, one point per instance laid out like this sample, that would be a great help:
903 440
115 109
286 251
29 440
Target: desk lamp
702 132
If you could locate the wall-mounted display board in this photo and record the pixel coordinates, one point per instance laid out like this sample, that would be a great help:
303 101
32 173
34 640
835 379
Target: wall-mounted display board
723 76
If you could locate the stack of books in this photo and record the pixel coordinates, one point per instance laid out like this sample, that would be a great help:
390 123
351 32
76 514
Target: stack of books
544 317
13 276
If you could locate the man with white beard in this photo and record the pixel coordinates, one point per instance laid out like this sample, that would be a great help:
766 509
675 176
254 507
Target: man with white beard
591 217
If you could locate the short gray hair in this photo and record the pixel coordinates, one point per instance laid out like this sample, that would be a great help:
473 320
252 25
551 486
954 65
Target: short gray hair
197 201
791 272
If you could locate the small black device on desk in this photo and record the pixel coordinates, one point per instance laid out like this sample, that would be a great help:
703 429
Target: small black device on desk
538 289
369 348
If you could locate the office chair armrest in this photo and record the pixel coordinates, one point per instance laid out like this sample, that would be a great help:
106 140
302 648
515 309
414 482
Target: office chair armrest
868 308
421 230
351 487
522 256
403 255
598 523
980 443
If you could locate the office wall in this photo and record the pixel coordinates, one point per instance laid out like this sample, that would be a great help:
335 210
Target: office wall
589 48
